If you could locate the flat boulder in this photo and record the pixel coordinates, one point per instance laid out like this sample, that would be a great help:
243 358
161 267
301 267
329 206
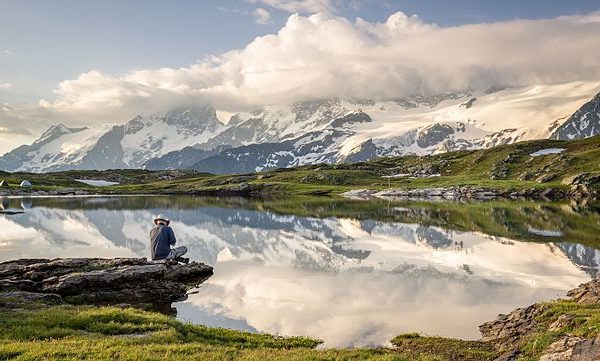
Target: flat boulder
99 281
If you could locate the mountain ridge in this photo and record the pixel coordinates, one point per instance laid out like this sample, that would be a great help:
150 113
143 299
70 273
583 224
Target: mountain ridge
337 130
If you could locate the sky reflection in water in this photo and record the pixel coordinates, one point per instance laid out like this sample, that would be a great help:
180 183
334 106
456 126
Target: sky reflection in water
345 281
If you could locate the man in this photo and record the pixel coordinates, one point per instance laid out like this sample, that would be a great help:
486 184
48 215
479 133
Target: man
162 238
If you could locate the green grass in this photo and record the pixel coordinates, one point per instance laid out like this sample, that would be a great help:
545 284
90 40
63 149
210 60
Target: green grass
89 333
462 168
109 333
414 345
584 322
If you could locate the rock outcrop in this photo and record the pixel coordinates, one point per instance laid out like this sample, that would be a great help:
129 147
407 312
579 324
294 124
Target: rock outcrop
459 193
509 332
134 281
587 293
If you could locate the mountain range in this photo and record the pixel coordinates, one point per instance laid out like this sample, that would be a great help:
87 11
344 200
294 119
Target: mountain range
322 131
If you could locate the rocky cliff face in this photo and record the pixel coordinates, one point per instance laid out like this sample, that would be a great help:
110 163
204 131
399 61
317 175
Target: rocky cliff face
584 123
322 146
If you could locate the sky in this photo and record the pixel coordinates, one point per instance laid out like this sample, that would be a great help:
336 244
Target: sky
89 62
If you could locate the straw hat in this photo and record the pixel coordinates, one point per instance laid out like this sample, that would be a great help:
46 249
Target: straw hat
161 217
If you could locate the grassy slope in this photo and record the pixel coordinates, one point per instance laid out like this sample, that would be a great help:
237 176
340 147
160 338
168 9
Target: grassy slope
109 333
456 168
66 332
584 322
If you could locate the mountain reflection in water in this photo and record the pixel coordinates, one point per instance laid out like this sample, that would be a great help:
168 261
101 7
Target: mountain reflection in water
351 273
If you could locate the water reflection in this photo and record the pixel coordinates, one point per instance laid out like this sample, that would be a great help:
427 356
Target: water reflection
348 281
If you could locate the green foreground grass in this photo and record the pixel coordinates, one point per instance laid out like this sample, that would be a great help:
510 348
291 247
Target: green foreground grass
110 333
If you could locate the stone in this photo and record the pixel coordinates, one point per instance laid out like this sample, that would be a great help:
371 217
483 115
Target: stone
508 331
100 281
587 293
587 350
15 299
546 178
572 348
561 350
561 322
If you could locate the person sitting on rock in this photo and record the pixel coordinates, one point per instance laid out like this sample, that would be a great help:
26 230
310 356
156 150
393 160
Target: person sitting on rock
162 238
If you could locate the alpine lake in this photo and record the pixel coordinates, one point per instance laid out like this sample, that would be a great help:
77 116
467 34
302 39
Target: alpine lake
350 272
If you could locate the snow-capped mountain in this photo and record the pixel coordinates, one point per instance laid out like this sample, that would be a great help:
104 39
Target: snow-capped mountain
585 122
332 130
111 147
267 127
413 125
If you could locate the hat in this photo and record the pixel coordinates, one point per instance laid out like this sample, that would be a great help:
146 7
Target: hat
161 217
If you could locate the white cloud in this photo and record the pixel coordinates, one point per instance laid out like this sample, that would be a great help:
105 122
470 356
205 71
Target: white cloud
21 125
262 16
8 52
323 56
5 85
298 6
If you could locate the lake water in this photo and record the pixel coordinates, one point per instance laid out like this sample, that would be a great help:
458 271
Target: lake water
351 273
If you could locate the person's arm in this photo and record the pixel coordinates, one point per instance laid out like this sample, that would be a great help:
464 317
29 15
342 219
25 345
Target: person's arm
172 239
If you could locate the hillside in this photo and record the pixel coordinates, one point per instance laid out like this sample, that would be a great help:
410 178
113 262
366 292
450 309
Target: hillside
540 164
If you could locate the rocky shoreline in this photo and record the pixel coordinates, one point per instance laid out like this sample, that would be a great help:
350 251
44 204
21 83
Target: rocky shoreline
96 281
466 193
18 192
459 193
508 333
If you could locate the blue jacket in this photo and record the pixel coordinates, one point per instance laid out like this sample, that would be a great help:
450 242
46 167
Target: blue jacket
161 240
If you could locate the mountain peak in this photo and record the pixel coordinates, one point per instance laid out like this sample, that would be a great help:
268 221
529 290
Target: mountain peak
194 119
191 115
585 122
56 131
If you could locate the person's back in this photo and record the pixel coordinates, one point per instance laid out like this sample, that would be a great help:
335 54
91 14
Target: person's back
162 238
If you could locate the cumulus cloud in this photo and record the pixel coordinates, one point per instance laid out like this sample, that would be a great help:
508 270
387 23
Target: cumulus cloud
321 56
5 85
262 16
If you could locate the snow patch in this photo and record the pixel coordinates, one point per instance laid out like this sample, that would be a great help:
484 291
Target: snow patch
544 232
96 182
547 151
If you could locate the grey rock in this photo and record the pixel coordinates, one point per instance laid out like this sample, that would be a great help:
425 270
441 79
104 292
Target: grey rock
433 135
561 350
586 293
584 123
103 281
508 331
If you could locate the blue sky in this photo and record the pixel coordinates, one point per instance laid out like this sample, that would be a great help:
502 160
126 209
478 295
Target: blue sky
85 63
45 42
